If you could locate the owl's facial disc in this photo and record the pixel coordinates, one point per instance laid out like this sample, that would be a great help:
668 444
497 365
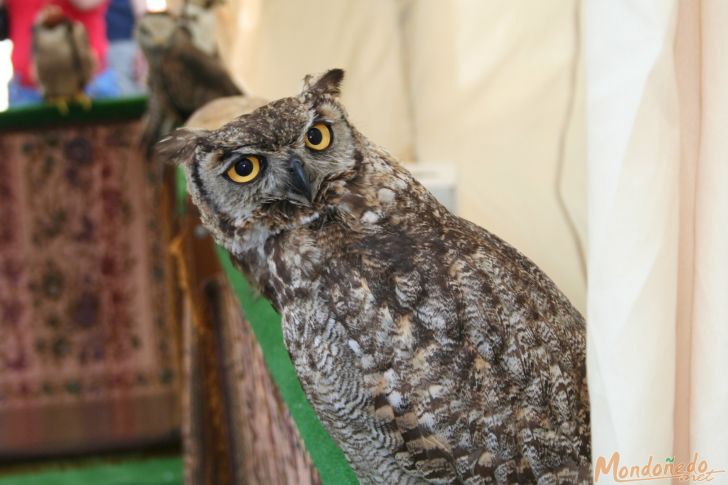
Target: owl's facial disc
155 30
271 169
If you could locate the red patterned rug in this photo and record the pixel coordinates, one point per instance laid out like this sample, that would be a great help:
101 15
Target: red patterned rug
87 358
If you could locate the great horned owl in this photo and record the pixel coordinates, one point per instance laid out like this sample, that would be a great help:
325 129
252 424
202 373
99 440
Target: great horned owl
181 77
63 62
432 351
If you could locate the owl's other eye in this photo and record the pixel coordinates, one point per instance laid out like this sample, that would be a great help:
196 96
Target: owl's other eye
318 137
244 168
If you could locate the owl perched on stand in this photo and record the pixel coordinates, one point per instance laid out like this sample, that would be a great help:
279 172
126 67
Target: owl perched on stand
63 62
181 77
431 350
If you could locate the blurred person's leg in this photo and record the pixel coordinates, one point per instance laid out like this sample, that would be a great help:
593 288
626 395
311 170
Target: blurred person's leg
121 59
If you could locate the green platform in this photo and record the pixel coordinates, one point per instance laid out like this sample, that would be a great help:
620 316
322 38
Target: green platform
137 471
102 111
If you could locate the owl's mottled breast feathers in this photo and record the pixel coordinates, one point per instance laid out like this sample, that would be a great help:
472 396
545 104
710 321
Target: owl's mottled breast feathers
468 362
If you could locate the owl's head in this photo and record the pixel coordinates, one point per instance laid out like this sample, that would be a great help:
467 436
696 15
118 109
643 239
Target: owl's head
50 17
155 31
271 169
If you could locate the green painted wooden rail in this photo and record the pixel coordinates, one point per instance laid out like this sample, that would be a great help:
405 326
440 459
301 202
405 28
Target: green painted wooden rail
102 111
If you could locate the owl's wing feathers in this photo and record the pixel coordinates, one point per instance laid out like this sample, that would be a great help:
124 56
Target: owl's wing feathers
481 357
159 120
191 79
84 56
530 354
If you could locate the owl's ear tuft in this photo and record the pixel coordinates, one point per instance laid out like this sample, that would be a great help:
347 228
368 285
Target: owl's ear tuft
179 147
326 83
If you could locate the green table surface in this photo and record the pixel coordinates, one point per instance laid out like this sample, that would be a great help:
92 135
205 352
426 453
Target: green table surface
102 111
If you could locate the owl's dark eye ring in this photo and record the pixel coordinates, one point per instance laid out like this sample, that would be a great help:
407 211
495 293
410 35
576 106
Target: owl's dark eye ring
319 137
244 168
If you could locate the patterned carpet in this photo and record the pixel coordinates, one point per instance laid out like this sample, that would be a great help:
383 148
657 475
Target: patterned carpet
86 358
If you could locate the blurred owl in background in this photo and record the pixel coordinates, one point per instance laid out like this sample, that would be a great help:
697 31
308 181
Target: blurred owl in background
63 62
432 350
181 77
198 17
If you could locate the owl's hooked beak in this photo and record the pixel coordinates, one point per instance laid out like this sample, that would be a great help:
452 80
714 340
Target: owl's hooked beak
299 181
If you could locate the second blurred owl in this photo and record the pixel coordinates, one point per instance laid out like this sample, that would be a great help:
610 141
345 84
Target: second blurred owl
182 78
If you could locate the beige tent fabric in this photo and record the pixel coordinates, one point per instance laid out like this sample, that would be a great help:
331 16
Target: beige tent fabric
496 90
487 86
271 45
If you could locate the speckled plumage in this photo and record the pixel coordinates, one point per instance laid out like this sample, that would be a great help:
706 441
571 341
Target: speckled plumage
432 351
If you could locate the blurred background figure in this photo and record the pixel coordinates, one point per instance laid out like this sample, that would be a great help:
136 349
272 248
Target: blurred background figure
123 54
183 75
23 87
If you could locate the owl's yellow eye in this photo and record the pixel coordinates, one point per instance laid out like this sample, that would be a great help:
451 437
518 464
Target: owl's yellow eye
318 137
245 169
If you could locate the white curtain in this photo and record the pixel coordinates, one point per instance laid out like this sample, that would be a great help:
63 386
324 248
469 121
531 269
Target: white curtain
657 116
